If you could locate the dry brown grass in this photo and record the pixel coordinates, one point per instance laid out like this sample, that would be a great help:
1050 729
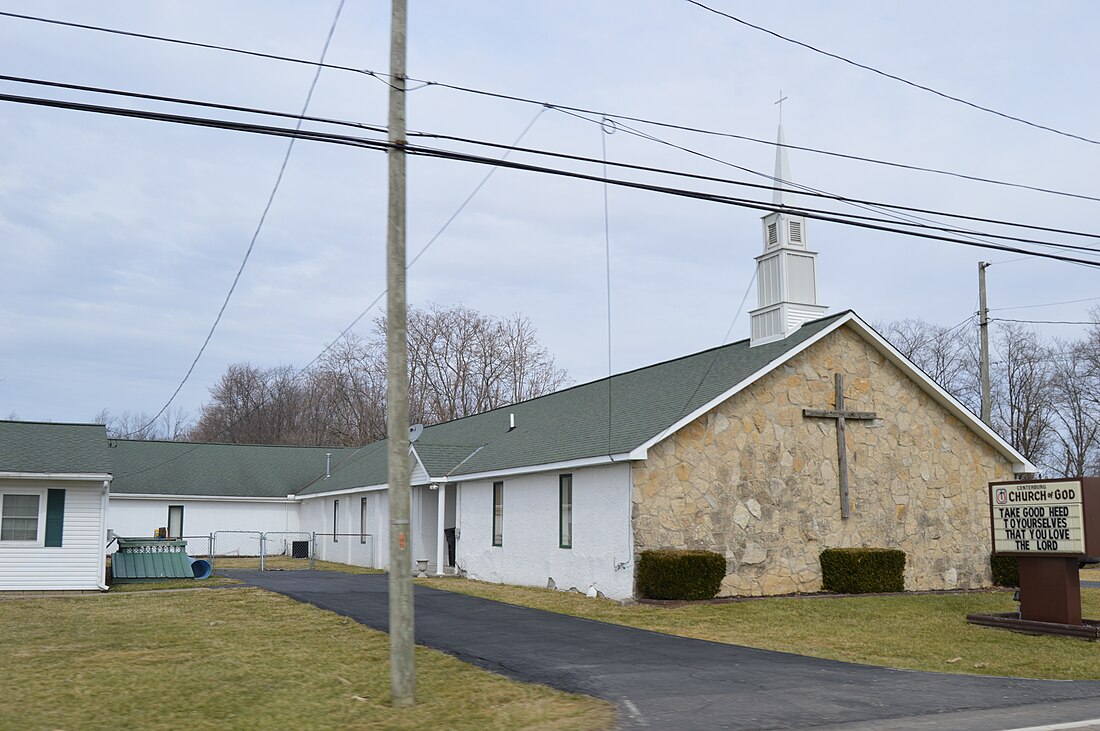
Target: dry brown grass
242 658
919 632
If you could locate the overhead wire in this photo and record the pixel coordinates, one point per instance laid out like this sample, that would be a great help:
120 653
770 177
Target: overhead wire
358 318
845 219
1045 304
382 77
259 226
802 189
895 77
906 219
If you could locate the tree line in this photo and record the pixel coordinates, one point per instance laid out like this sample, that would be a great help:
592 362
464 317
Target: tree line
1045 392
461 362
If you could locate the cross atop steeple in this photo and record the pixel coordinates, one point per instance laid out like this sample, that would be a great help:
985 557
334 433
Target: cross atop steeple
780 103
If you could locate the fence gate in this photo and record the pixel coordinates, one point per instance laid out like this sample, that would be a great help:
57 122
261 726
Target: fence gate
286 550
237 549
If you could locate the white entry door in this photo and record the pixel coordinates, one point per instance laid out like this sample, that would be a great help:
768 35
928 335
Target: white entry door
175 521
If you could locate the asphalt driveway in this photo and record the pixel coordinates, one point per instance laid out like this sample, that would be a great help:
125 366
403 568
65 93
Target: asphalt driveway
666 682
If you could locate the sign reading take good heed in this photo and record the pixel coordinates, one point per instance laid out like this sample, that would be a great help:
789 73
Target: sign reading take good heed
1038 518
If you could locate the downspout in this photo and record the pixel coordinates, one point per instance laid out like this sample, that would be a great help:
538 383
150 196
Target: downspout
104 504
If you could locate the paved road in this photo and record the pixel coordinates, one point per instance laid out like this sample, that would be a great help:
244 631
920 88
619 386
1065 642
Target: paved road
666 682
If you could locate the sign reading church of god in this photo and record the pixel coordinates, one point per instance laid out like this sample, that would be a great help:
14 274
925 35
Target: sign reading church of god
1038 518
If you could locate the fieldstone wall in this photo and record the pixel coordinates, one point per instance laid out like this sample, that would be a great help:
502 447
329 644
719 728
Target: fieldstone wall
757 481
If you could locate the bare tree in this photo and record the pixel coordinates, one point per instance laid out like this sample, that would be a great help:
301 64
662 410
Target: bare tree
1023 393
461 362
947 355
173 425
1076 386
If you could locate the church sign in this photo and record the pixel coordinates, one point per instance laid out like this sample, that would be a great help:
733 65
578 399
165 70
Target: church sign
1038 518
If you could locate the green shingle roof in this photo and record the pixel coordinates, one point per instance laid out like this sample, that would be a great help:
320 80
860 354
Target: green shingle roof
228 470
574 423
566 425
31 446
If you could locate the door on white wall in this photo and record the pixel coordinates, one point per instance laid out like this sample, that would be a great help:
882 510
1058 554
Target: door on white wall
175 521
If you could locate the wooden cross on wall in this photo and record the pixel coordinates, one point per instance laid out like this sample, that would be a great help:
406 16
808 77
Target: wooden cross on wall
841 443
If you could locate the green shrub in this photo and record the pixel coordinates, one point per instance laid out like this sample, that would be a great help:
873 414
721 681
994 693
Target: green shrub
1006 570
862 570
670 574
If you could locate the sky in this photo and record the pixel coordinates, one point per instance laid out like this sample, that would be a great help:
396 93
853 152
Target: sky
119 238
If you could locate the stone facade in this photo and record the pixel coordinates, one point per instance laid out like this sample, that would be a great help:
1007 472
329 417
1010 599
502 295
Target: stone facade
755 480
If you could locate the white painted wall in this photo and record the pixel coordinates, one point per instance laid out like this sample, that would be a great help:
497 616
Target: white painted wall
602 536
316 516
139 517
78 563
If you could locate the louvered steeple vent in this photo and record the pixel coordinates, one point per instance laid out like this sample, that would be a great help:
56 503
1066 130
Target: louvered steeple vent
786 273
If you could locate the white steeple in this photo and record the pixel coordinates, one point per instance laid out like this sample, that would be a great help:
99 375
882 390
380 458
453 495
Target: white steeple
786 273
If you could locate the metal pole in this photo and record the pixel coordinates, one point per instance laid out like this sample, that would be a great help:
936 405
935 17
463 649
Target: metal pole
983 321
312 548
211 547
402 669
263 537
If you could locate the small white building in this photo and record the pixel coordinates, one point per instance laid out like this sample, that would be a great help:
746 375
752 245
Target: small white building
54 485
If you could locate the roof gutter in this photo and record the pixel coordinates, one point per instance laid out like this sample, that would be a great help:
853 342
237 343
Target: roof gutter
96 476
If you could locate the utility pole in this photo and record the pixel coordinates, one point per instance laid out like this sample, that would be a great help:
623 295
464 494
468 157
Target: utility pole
983 324
402 669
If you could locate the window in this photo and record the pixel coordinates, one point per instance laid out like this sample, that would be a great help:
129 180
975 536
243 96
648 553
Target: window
19 516
362 520
498 513
565 511
335 521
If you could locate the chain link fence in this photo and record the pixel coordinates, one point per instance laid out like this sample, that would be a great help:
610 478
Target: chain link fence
283 550
237 549
352 549
199 546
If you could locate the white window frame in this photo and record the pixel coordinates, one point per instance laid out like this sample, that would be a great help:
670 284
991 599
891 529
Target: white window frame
41 539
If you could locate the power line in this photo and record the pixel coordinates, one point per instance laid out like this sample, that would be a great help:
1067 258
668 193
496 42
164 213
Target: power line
805 190
846 219
526 100
179 41
880 72
1046 322
358 318
258 229
299 118
1045 304
808 193
904 218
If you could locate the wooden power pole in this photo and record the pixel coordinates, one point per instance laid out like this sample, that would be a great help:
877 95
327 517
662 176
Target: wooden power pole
402 669
983 324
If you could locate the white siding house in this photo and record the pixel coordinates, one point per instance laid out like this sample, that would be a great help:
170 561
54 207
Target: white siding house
54 486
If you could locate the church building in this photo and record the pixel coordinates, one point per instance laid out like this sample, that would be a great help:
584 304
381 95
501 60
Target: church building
812 433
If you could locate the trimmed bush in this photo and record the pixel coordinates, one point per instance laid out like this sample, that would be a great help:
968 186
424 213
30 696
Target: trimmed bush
862 570
670 574
1006 570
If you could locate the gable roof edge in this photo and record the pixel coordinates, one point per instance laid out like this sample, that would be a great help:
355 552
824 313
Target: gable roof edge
642 450
1020 463
938 394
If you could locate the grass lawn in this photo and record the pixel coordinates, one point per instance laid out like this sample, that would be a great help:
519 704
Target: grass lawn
919 632
1091 574
214 580
241 659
